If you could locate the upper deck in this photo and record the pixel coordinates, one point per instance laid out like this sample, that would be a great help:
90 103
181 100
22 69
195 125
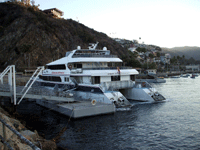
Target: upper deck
86 55
92 53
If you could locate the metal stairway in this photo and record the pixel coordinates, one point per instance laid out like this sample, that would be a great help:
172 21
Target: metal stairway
28 85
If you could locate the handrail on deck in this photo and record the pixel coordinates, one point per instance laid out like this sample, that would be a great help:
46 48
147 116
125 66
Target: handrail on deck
94 55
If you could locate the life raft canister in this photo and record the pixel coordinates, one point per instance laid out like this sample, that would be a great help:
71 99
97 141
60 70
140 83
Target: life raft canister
70 66
93 102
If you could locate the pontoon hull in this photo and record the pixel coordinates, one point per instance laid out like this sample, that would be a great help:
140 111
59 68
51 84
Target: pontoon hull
142 94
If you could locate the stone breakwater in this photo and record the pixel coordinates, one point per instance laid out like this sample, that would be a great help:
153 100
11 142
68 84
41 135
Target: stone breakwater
13 139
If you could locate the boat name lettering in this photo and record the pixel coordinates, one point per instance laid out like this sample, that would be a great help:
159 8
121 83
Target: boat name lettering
57 72
113 73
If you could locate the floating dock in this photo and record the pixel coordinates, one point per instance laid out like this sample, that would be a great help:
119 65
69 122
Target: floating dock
78 109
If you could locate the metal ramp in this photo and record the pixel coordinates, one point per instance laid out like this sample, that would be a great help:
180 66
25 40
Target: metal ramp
30 92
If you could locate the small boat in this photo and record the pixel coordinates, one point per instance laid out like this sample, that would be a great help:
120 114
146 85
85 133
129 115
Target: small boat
184 75
187 74
193 76
175 76
196 75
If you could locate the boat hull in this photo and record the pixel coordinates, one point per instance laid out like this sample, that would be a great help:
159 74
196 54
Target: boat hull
142 94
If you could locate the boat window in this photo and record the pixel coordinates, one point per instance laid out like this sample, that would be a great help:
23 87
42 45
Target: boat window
50 78
66 79
79 65
67 54
109 64
115 78
112 64
132 77
57 67
96 79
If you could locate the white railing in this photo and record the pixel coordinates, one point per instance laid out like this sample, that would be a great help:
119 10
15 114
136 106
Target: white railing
11 81
28 85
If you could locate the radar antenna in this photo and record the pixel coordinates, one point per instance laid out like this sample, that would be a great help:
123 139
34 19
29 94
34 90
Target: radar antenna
93 45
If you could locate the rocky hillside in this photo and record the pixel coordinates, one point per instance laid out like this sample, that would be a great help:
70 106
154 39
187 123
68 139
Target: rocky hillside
30 38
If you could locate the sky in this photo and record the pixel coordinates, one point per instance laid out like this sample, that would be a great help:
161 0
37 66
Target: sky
165 23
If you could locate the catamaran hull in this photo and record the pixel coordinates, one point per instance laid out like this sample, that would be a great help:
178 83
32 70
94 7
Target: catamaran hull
142 94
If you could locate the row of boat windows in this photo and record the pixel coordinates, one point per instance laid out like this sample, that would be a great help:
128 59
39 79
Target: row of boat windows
57 67
63 67
53 78
95 80
50 78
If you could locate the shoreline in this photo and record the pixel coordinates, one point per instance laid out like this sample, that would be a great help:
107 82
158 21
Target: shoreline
17 123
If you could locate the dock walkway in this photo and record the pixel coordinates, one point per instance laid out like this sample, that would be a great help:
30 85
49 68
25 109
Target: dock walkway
36 93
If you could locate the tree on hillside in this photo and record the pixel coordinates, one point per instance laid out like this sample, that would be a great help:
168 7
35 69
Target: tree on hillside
139 49
133 63
151 55
158 54
191 61
149 66
173 60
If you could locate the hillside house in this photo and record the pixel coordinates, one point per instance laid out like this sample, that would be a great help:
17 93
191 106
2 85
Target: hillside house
54 12
132 49
165 58
151 71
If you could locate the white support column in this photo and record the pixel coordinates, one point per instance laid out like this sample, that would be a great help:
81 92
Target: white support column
10 83
14 85
2 80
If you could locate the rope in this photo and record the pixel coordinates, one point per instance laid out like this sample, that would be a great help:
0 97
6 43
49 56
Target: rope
63 129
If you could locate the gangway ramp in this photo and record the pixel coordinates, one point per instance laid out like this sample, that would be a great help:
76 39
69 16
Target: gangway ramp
27 91
38 93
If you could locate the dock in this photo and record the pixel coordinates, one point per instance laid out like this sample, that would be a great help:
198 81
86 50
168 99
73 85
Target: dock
78 109
59 101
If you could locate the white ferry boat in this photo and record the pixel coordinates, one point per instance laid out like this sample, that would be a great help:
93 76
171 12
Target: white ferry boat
97 75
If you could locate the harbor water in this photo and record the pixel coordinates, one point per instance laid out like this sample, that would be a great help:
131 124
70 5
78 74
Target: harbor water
172 124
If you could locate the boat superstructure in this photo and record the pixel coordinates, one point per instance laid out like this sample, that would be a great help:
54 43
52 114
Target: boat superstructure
97 75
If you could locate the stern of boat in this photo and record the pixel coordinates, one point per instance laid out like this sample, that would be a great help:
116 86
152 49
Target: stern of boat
142 91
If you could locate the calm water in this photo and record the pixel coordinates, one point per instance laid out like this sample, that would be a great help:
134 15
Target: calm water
173 124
